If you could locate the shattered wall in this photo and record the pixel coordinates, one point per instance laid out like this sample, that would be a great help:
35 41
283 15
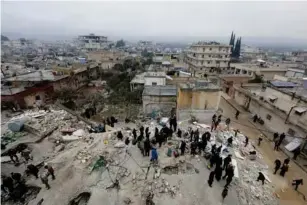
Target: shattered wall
158 104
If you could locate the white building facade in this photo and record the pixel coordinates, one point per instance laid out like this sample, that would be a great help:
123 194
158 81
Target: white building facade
207 57
92 42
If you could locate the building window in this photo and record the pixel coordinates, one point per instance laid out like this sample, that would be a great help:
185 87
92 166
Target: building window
154 83
208 62
269 117
204 49
209 56
210 49
202 56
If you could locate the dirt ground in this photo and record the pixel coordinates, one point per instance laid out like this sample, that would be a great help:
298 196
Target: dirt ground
283 185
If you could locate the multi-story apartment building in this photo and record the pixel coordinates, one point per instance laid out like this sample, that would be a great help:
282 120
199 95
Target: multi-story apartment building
92 42
208 57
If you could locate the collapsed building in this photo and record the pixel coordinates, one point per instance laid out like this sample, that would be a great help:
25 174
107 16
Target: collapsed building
91 168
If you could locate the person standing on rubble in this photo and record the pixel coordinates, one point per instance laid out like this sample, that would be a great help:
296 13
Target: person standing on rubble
284 169
146 131
296 152
31 169
275 136
227 161
142 130
276 146
229 171
191 135
211 178
179 133
147 146
281 138
237 114
246 141
229 141
183 146
204 142
120 135
13 155
134 134
50 171
16 177
255 118
193 148
217 123
218 169
214 117
227 122
154 155
260 139
277 165
26 155
261 178
44 179
212 125
7 182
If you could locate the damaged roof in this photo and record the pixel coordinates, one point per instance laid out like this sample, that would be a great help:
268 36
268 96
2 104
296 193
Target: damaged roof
42 75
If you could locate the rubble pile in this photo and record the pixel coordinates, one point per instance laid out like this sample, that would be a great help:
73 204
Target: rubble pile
83 156
160 186
249 190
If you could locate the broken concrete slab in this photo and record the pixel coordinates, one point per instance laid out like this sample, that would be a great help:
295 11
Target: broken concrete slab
68 138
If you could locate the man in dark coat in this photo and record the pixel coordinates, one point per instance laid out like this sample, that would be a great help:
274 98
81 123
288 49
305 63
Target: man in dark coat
281 139
275 136
179 133
227 160
296 183
193 148
183 146
229 171
211 178
277 165
120 135
261 177
284 169
134 134
31 169
246 141
296 152
7 182
147 146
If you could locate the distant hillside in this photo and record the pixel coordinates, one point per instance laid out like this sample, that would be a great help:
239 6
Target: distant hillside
4 38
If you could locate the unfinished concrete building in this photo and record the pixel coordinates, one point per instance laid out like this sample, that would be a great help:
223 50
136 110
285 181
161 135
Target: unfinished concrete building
199 99
159 99
208 57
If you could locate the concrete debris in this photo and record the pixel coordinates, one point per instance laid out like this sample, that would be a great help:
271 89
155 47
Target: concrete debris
127 200
79 133
69 138
119 145
84 156
59 148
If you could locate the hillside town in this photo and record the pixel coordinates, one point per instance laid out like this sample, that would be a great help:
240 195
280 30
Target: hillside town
91 121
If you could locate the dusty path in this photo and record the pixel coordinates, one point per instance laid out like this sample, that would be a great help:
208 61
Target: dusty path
289 196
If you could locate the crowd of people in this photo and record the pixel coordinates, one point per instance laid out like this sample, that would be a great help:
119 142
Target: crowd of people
15 184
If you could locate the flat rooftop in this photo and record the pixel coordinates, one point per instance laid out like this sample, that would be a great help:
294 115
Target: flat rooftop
167 90
200 85
256 67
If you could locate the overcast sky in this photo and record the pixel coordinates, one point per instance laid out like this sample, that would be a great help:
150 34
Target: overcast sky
160 19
